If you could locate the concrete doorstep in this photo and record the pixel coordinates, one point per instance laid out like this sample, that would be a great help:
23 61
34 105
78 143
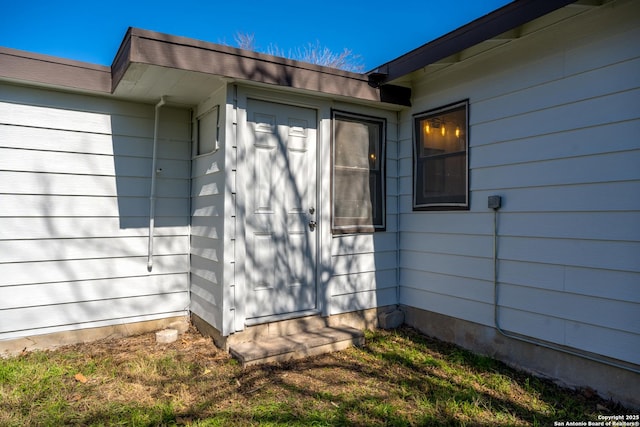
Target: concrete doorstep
296 346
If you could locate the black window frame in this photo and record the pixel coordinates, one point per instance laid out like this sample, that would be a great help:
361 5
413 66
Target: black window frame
420 161
360 224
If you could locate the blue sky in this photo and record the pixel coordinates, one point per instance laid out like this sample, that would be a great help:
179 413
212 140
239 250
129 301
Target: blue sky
378 31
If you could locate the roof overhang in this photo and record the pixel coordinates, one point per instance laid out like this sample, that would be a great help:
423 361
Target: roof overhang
142 52
499 25
25 67
149 65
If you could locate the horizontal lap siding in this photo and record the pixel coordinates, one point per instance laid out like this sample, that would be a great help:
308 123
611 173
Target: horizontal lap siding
208 224
74 212
207 240
553 130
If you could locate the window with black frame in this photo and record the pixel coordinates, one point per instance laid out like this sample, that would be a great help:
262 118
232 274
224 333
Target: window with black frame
441 158
357 173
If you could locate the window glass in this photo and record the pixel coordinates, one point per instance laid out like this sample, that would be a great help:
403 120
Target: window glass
441 160
358 175
207 132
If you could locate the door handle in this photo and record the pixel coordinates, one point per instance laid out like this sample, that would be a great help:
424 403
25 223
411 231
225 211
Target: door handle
312 225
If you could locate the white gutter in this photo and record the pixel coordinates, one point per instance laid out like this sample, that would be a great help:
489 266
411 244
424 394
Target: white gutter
154 172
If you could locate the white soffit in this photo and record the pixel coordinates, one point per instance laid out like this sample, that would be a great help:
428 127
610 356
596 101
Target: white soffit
147 83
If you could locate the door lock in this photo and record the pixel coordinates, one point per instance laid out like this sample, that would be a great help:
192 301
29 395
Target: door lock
312 225
312 210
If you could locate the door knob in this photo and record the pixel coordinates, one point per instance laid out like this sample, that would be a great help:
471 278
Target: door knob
312 225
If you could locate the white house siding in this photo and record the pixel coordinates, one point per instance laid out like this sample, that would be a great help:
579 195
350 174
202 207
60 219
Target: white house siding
74 212
554 125
208 225
362 270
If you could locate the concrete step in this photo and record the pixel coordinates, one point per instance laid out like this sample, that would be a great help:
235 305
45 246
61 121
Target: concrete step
296 346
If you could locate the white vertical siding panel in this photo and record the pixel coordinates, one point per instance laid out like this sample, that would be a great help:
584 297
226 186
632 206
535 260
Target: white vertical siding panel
554 119
74 205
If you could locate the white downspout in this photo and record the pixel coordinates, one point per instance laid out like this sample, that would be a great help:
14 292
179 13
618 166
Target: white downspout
154 172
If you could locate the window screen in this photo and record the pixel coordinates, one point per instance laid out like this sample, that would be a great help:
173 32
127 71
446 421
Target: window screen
358 173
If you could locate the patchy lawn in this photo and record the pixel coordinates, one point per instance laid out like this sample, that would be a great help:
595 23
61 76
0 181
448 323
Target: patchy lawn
398 378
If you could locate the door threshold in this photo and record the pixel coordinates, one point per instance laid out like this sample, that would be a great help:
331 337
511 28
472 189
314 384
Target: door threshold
279 317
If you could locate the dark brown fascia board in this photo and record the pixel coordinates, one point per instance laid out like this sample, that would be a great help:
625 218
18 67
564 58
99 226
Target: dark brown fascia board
153 48
501 20
26 67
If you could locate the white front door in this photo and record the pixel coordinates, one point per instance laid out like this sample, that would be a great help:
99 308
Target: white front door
280 209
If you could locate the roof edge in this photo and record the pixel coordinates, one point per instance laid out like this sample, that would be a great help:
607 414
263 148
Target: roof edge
163 50
26 67
501 20
230 50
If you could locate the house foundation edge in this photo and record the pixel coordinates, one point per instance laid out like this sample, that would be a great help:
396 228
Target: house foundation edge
50 341
566 370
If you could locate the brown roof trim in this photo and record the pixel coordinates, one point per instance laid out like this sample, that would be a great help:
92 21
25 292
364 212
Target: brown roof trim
21 66
497 22
149 47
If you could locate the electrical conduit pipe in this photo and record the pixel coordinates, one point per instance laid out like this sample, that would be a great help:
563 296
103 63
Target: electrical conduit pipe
495 204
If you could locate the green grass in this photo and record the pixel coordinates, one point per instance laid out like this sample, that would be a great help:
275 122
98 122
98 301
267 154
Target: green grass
399 378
